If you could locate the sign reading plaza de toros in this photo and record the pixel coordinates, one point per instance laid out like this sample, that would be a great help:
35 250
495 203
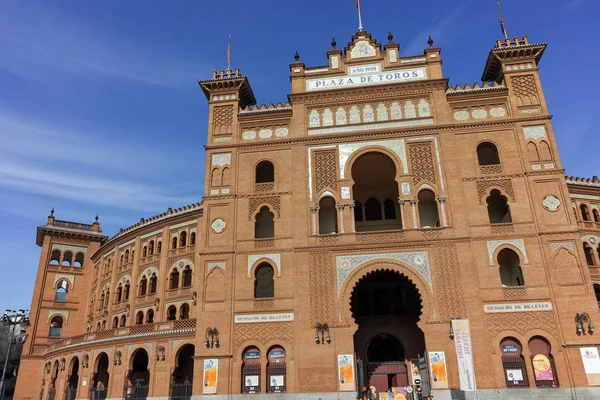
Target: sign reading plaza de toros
365 75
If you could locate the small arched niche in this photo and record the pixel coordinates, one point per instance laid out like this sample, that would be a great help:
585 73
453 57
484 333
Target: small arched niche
328 223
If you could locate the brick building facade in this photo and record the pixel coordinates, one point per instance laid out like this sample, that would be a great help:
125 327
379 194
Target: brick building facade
379 228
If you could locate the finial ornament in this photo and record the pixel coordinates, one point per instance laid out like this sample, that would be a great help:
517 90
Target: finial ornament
390 36
430 41
96 218
296 56
333 43
52 212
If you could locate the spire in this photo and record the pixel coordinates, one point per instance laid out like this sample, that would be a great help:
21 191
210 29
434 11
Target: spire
229 54
502 26
360 25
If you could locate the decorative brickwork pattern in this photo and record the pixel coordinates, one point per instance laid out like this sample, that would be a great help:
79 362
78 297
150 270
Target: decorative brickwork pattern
264 304
322 289
505 184
421 160
525 89
379 237
222 119
328 239
491 170
263 333
521 322
449 302
514 292
258 199
325 170
264 187
503 228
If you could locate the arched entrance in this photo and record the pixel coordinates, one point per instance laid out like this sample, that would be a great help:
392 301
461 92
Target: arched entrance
386 306
183 374
138 376
99 387
73 380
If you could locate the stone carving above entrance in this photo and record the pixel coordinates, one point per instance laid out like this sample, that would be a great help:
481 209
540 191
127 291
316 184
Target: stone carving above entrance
419 260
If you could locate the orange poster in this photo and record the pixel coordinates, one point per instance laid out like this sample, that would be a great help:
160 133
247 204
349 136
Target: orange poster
346 372
211 368
439 373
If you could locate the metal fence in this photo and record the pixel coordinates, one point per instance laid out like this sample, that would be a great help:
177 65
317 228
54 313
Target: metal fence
70 393
181 391
136 392
98 394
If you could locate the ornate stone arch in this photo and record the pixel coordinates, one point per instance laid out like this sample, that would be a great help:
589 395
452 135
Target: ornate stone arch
426 186
517 245
497 339
383 264
124 279
555 344
64 277
181 264
255 260
395 151
148 272
177 348
592 240
61 313
327 193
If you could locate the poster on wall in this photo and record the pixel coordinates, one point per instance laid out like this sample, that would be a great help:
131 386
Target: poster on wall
415 372
211 369
346 372
439 373
591 364
514 375
395 393
464 354
542 368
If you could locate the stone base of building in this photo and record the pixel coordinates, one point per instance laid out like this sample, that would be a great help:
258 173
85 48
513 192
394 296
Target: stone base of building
585 393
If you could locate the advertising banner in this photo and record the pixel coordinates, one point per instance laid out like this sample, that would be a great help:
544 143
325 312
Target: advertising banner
464 353
439 373
346 372
591 364
211 371
542 368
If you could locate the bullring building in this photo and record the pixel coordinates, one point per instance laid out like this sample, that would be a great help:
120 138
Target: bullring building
380 228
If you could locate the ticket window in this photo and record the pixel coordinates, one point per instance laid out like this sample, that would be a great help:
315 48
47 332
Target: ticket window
251 370
515 370
542 362
276 370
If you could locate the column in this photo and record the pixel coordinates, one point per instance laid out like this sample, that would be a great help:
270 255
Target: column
442 201
352 224
313 211
340 218
413 206
401 204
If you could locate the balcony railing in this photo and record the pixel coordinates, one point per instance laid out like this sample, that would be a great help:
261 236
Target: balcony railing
117 333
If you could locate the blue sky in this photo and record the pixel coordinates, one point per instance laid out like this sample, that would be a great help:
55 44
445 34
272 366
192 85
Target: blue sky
100 111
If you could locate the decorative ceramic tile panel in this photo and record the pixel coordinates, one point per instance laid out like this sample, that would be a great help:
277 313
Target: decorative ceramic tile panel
368 115
492 245
397 146
534 132
382 114
281 132
221 159
568 245
362 49
346 193
424 109
327 117
275 258
340 117
396 110
410 110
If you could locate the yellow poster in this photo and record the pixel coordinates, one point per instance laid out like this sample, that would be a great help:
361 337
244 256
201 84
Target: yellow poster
346 372
211 370
439 373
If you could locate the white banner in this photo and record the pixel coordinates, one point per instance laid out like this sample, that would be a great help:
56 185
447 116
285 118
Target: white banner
591 364
368 79
464 354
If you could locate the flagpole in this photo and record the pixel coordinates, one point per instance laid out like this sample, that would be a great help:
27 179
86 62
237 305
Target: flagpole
360 25
502 25
229 54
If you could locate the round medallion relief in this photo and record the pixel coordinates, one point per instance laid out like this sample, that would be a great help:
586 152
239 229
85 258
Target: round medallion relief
593 240
551 203
218 225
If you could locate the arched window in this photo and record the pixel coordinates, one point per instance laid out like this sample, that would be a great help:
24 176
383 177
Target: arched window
143 286
428 210
276 370
251 370
159 247
101 300
123 320
389 208
98 327
264 286
115 322
62 288
589 254
533 152
151 247
104 325
126 291
487 154
150 316
511 273
174 243
542 361
186 278
596 215
119 293
55 257
585 212
358 211
153 282
106 299
545 153
184 312
515 371
327 216
192 238
67 259
144 251
174 279
264 227
373 210
139 318
182 239
265 172
498 209
56 324
171 313
78 260
126 256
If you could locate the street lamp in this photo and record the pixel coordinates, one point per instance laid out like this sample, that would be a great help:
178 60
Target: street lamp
12 318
